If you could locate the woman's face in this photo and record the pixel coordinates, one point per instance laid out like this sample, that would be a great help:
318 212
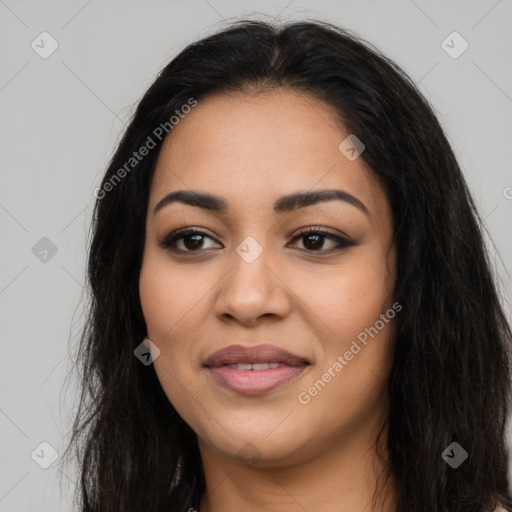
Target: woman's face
251 278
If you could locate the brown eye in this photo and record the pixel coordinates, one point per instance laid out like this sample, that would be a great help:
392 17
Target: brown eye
191 240
314 239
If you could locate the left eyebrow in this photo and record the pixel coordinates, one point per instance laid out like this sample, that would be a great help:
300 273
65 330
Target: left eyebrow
283 204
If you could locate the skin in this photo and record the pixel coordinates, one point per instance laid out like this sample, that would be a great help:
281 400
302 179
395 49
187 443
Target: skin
252 149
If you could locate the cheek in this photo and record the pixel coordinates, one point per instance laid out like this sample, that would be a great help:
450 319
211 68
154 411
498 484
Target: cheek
347 315
347 297
171 298
351 304
171 310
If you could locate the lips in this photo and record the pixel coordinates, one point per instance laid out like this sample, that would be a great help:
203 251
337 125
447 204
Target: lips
254 370
238 354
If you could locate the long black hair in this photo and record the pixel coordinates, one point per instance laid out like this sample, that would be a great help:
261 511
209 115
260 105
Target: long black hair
450 379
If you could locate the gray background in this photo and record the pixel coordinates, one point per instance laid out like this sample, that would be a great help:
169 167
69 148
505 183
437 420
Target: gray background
62 116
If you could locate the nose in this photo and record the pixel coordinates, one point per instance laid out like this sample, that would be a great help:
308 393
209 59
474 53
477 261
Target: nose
253 290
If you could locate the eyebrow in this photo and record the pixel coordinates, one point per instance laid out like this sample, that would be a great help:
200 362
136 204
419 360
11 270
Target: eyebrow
283 204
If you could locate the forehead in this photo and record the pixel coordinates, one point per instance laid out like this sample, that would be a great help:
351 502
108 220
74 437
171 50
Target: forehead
254 147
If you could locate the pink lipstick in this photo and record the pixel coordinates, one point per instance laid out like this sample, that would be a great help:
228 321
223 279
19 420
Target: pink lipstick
254 370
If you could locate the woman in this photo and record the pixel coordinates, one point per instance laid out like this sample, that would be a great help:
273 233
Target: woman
292 304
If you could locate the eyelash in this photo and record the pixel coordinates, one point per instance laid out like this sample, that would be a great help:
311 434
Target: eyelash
169 241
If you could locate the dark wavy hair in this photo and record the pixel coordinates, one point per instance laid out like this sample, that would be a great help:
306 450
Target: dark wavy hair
451 375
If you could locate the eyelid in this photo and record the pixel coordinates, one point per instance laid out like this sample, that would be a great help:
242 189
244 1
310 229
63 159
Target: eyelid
321 230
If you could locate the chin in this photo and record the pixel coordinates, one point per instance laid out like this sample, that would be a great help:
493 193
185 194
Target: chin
255 446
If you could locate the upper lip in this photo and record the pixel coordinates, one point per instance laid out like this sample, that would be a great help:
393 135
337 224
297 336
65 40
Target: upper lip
235 354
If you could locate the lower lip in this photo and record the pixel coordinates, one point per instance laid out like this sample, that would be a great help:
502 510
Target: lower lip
254 382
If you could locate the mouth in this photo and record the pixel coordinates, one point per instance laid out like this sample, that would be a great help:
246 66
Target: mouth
254 370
